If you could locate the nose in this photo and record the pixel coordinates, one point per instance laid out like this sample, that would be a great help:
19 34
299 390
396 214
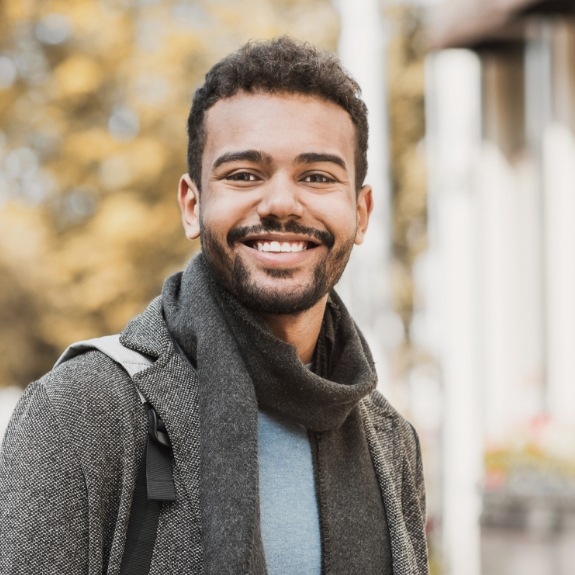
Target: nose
280 199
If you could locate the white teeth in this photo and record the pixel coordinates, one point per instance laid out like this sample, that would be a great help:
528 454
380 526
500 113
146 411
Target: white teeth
283 247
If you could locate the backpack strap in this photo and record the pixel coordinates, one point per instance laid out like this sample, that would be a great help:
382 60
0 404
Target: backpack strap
155 480
132 361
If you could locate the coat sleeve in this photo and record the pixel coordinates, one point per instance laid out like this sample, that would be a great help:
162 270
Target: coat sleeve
43 502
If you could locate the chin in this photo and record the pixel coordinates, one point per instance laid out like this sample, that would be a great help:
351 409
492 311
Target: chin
262 300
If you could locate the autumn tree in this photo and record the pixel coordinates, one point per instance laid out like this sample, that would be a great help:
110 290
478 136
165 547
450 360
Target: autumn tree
94 96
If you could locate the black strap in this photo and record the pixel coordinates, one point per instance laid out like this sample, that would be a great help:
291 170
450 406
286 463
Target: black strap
159 472
154 484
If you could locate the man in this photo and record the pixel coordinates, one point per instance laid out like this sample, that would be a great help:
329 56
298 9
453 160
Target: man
285 459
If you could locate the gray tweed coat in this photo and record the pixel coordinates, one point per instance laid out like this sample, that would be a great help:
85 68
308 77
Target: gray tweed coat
71 453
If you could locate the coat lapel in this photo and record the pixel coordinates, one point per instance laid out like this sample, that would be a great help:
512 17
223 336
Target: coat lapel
398 490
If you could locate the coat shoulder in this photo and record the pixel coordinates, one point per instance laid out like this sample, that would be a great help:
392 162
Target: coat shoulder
383 415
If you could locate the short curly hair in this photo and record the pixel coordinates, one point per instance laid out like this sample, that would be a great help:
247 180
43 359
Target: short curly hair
278 66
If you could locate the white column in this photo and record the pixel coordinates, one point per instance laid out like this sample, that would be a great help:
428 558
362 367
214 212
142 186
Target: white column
501 294
559 209
559 164
364 285
453 142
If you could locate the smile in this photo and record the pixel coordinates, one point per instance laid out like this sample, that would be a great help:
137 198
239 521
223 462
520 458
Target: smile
280 247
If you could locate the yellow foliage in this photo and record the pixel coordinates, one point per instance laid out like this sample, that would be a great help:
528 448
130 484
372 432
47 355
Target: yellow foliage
147 158
121 219
89 145
23 235
142 162
21 10
96 249
77 75
98 25
407 127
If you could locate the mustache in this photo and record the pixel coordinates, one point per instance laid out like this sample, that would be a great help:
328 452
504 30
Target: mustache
272 225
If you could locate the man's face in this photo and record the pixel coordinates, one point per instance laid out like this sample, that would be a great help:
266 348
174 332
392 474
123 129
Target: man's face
278 213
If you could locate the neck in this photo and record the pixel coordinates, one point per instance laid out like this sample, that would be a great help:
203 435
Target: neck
300 330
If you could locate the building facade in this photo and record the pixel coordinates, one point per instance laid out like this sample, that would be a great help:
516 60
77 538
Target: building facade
501 148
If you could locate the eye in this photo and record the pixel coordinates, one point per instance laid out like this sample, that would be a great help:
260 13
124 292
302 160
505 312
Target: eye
319 179
242 177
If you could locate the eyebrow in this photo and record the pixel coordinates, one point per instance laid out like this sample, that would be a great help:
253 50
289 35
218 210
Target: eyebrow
313 157
259 157
254 156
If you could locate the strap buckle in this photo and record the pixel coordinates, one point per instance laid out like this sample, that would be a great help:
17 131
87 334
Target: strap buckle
156 428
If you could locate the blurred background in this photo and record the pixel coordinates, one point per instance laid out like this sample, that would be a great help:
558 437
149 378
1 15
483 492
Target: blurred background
465 287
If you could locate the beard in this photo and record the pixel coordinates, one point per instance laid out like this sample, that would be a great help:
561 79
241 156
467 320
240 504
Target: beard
232 273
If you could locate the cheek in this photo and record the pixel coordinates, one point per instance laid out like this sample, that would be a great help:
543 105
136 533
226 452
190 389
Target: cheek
216 218
340 219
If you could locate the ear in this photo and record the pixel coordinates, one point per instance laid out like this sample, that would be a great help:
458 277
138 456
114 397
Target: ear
189 200
364 208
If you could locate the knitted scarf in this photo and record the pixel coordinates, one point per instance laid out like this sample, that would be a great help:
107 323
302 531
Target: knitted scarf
241 365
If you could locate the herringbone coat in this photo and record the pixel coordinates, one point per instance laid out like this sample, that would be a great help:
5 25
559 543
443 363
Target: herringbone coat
71 452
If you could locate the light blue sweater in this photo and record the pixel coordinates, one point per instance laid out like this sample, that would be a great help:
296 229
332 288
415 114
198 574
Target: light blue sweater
288 503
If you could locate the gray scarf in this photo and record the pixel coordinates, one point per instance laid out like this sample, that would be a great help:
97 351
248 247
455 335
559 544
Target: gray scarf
241 366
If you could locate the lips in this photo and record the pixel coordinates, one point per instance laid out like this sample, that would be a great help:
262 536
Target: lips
276 237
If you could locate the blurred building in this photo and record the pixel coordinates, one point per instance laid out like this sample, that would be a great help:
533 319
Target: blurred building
501 287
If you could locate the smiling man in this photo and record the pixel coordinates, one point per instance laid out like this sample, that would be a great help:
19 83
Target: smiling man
279 210
261 432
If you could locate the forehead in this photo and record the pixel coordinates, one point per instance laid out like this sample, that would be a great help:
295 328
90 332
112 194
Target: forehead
282 125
